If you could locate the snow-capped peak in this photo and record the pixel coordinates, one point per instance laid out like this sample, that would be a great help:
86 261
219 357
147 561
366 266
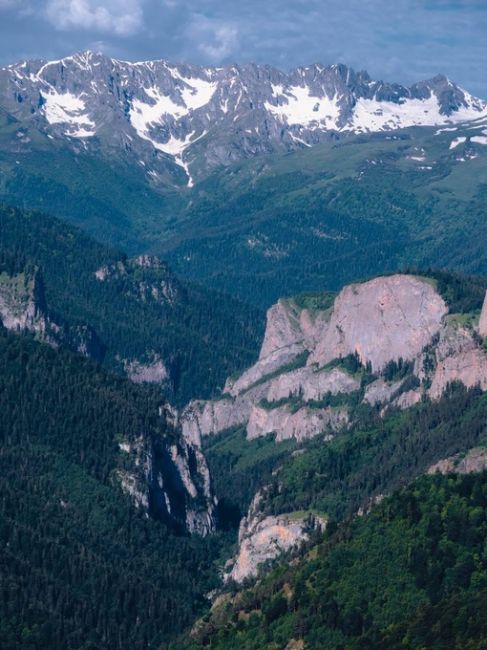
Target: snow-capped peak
161 111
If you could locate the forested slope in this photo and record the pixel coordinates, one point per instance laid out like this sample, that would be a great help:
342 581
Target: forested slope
80 566
139 309
411 574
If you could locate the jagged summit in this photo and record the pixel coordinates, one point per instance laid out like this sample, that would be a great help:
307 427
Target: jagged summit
161 114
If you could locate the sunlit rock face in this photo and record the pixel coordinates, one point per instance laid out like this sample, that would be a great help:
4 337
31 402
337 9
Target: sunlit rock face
263 538
483 318
382 320
289 391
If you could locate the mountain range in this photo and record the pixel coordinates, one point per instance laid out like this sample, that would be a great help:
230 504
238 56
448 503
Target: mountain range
178 122
178 472
267 215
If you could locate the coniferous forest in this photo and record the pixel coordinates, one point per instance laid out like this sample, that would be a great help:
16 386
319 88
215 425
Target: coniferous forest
243 325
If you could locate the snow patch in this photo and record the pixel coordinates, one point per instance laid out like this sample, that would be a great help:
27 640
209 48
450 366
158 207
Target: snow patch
373 115
303 108
456 141
197 93
69 109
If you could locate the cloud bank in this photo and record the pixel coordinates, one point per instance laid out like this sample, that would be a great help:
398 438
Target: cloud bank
404 40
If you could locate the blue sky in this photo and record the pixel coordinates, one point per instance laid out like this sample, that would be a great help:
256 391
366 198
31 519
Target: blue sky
395 40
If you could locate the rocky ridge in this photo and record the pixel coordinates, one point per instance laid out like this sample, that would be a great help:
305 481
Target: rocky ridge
388 342
179 121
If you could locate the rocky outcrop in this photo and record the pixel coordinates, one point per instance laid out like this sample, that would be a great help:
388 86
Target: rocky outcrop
483 318
262 538
153 371
408 398
289 325
302 424
400 343
310 384
201 418
22 305
168 478
381 391
385 319
23 308
474 460
458 357
145 277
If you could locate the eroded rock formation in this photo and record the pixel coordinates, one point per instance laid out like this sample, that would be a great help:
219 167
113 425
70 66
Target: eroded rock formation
169 479
399 320
264 538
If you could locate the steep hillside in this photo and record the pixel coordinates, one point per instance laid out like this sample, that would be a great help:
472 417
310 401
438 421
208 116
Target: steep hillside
352 396
85 456
410 574
145 322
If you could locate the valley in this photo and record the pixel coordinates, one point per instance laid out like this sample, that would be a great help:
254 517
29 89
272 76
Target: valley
243 358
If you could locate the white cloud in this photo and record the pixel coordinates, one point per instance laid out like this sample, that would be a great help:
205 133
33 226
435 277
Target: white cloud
215 39
122 19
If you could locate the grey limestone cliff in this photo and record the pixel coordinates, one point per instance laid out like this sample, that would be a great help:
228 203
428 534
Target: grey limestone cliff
262 538
169 479
398 319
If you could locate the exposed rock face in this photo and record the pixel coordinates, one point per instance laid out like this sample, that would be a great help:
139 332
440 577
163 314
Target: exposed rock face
399 318
407 399
265 538
154 371
458 358
474 460
169 480
483 318
382 320
149 278
201 418
381 391
23 308
311 384
287 325
304 423
22 302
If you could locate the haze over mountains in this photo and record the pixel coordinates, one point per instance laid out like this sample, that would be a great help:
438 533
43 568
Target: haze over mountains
160 114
